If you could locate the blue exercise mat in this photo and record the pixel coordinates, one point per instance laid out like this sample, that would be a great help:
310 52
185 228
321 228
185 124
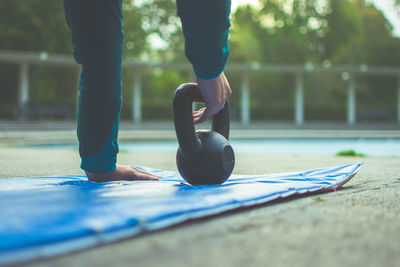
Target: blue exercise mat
47 216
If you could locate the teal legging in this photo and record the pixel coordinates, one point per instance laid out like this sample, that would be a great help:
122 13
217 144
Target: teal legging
97 38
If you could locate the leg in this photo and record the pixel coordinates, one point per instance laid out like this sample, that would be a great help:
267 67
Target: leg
97 38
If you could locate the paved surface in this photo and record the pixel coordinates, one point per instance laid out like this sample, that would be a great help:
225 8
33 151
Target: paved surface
68 137
358 225
129 125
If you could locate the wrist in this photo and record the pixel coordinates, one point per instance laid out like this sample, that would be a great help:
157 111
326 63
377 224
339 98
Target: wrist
208 76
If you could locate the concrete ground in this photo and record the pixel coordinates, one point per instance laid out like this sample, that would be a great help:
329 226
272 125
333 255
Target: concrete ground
358 225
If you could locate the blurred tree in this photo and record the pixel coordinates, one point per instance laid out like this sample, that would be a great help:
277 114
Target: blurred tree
244 41
28 26
150 26
275 31
294 28
320 31
134 34
379 45
33 26
344 32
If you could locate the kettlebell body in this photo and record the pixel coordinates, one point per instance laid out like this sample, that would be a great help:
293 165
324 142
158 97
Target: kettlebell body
203 157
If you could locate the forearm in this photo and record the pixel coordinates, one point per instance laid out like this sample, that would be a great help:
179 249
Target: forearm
205 25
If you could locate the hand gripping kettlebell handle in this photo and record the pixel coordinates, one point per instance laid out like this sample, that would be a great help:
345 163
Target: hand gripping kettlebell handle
185 95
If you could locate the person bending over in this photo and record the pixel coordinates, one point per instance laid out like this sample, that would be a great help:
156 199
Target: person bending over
97 41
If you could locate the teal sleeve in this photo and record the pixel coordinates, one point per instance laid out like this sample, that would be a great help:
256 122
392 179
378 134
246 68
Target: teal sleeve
205 25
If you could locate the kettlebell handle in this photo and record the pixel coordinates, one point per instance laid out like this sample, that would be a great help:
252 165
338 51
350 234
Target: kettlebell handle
185 95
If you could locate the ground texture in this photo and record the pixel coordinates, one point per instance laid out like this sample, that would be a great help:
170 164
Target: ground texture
358 225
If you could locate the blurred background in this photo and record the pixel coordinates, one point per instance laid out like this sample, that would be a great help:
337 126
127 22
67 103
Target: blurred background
314 82
298 62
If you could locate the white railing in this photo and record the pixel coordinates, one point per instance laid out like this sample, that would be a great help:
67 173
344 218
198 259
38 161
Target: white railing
25 59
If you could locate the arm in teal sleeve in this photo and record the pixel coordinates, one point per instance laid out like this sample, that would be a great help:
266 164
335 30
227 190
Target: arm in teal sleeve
205 25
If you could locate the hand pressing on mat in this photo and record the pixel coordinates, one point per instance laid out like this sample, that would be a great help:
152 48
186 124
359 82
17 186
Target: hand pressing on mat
215 92
121 173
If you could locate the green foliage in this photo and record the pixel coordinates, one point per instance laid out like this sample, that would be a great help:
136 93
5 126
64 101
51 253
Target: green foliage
135 36
158 101
318 31
349 153
276 31
33 26
345 32
148 22
287 31
245 44
165 83
293 29
8 97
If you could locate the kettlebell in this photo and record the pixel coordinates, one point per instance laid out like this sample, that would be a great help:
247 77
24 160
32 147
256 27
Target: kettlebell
203 157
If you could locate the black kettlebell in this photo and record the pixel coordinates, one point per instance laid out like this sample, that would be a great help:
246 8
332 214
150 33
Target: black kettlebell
203 157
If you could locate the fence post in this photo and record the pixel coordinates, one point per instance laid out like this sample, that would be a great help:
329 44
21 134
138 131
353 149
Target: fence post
23 98
398 101
137 97
299 100
245 100
351 102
